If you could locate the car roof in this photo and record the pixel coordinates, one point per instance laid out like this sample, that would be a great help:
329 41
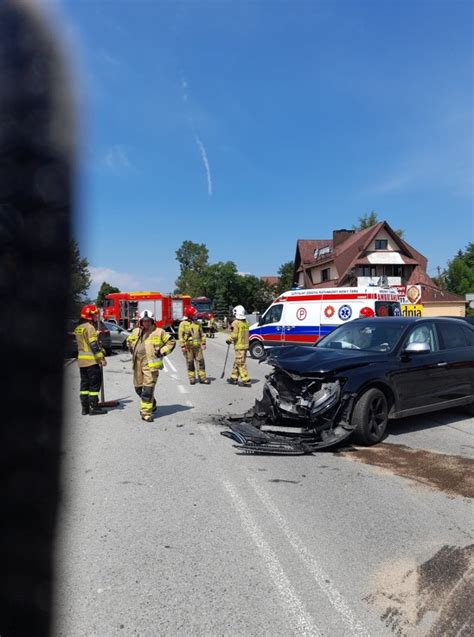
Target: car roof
408 320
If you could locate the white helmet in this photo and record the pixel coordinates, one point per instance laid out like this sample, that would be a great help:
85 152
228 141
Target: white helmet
239 312
146 314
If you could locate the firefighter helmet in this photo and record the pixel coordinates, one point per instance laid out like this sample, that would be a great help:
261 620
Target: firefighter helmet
239 312
366 312
89 312
190 312
146 315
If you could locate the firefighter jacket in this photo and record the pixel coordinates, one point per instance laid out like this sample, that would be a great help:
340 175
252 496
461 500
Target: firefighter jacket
190 334
239 334
89 351
157 344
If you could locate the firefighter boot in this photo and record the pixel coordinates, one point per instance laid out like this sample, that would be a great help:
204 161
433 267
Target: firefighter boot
192 381
85 405
232 381
204 381
95 410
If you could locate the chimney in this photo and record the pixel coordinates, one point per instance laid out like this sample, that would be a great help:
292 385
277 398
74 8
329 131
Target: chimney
339 236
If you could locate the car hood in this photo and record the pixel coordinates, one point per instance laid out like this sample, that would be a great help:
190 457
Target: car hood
312 361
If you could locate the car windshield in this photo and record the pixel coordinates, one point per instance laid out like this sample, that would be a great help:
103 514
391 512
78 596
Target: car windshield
369 336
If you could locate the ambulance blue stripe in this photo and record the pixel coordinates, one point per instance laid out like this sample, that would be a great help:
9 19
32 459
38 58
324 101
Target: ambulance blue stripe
309 330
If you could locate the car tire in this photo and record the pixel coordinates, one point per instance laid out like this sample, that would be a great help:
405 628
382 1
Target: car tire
257 350
370 417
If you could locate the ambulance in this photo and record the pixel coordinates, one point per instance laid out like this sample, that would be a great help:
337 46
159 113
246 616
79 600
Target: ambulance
301 317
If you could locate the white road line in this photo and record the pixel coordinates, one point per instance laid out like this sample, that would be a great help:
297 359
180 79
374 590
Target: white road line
175 376
320 577
189 403
182 389
164 365
171 365
302 622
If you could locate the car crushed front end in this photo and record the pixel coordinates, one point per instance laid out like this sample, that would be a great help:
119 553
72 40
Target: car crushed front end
299 411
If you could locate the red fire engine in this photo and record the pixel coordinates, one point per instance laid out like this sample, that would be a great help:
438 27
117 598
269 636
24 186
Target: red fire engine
125 307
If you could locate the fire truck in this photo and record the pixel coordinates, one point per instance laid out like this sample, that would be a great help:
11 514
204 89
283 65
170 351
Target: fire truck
203 306
124 308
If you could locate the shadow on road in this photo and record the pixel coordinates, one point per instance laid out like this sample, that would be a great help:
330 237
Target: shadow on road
420 423
167 410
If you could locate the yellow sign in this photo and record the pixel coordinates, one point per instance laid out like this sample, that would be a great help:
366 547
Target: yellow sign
412 310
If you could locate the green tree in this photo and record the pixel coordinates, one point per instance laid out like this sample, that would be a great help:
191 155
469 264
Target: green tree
459 274
366 221
254 294
285 273
80 277
105 289
370 219
193 261
220 281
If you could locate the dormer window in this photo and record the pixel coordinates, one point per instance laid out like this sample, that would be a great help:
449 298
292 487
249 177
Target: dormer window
320 252
381 244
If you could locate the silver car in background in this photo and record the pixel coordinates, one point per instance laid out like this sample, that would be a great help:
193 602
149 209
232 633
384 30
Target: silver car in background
118 335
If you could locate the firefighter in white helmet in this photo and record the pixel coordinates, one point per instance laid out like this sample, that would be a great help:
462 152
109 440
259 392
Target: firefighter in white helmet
149 345
239 336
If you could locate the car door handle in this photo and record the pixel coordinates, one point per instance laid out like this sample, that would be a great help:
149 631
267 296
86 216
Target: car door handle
443 364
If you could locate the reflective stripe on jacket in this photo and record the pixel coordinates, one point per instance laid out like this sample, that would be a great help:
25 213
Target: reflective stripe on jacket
190 334
240 334
89 351
158 343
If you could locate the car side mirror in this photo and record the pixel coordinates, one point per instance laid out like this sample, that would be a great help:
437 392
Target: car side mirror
260 320
416 348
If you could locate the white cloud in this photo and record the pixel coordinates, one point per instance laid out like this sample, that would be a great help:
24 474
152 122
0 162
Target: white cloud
117 160
105 56
205 161
121 280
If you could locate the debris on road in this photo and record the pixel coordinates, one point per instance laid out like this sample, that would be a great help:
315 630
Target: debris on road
438 592
452 474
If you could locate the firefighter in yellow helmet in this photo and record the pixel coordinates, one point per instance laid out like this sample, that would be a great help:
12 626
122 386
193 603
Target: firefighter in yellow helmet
149 345
193 342
239 336
91 359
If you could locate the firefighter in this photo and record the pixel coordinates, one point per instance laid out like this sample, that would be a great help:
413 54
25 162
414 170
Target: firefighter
149 345
193 342
239 336
212 326
91 358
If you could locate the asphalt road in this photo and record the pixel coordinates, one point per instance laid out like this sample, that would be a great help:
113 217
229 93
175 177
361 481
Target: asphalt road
165 529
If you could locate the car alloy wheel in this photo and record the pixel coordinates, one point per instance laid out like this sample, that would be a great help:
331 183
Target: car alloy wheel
370 417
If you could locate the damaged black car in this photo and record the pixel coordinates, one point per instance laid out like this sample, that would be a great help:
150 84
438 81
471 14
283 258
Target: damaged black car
354 380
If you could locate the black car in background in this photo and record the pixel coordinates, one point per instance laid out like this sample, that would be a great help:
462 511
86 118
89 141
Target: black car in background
364 373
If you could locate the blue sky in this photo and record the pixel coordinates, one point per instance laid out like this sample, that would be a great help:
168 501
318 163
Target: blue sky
249 124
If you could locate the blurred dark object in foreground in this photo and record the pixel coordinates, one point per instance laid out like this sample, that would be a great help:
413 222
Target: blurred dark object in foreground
35 207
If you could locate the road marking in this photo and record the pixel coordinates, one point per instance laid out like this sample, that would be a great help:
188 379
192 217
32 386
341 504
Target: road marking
175 376
164 365
182 389
172 365
321 578
303 623
189 403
